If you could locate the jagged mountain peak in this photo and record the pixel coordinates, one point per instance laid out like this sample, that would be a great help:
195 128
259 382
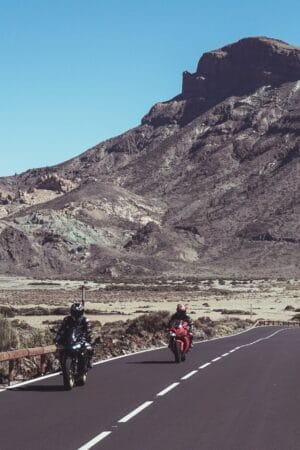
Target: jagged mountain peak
233 70
255 45
244 66
250 52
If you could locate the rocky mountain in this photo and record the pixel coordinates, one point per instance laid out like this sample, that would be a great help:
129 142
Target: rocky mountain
207 185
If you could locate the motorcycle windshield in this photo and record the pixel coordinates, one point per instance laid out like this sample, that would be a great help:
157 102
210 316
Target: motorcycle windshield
72 337
177 324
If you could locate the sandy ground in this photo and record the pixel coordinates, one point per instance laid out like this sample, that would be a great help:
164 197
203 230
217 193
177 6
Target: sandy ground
115 301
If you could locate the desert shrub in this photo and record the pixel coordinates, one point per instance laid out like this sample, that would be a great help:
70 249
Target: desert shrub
296 317
198 323
34 311
8 336
60 311
151 323
289 308
240 323
27 336
7 311
38 338
233 311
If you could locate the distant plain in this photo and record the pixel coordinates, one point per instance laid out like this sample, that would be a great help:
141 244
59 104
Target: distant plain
115 300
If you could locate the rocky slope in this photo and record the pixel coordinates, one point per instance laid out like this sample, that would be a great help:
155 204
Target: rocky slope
208 184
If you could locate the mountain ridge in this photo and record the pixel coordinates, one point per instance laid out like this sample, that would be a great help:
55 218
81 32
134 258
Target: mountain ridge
207 184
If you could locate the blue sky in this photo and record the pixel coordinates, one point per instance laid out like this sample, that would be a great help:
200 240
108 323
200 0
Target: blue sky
75 72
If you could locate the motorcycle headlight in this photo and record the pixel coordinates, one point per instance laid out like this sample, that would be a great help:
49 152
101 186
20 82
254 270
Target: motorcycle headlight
76 346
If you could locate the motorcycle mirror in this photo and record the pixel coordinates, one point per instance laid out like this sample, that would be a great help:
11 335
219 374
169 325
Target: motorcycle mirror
83 290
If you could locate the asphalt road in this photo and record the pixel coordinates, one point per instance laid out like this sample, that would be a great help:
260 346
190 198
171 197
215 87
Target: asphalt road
237 393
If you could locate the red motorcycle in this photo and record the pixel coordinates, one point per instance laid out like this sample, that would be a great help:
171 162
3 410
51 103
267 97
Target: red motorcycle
179 340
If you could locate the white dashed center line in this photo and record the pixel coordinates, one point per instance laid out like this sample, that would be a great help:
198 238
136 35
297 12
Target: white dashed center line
135 412
205 365
216 359
95 440
188 375
168 389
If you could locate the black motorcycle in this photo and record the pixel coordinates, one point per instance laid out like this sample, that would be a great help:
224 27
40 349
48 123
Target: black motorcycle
75 359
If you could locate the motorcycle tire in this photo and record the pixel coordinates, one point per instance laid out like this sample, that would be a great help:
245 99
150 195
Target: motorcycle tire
81 380
68 374
177 352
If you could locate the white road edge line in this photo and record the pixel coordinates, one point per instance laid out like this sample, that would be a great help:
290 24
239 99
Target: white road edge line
168 389
205 365
238 348
135 412
95 440
188 375
14 386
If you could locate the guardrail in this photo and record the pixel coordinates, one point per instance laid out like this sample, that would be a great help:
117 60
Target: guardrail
283 323
13 355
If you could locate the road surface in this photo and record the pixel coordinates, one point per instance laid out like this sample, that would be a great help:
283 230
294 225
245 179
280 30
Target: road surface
237 393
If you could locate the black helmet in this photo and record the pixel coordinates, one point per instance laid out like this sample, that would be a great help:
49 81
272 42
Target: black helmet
77 310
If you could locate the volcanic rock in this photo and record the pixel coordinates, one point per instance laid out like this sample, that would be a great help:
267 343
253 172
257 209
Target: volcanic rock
207 185
54 182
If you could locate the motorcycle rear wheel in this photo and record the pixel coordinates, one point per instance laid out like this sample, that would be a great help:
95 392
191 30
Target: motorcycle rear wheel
68 374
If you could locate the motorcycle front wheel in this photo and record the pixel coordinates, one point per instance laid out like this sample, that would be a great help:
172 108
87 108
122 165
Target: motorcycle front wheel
81 379
177 352
68 374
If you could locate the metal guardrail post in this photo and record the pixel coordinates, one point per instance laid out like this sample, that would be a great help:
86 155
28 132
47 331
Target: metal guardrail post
43 364
11 367
83 292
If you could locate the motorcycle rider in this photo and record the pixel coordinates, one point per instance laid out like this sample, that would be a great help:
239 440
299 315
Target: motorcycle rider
77 320
181 314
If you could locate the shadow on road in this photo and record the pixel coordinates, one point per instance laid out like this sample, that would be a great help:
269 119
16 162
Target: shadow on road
40 388
150 362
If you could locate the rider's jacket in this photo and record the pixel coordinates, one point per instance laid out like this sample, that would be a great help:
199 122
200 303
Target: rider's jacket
82 325
181 316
